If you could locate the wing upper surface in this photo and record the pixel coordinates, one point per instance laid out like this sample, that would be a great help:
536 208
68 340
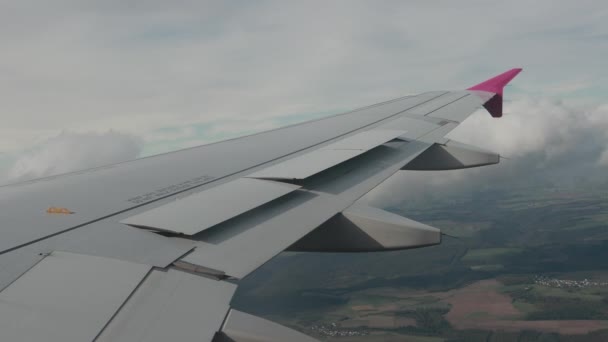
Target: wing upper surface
222 210
95 194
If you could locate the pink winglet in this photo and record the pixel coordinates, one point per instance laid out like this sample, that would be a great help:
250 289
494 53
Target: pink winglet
496 85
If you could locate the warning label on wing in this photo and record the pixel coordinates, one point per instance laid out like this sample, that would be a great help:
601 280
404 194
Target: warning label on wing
168 190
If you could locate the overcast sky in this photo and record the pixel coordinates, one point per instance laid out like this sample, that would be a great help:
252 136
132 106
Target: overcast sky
133 78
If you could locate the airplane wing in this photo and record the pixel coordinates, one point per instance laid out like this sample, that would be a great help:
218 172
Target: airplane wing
153 249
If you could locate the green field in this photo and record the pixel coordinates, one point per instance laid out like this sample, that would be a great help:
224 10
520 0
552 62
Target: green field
513 235
485 255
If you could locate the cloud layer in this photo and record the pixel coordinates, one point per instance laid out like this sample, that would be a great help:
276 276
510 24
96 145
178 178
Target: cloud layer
74 151
544 140
538 136
144 66
538 125
183 73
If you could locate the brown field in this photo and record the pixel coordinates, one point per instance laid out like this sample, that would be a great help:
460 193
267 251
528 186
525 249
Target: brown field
479 297
385 337
562 327
481 306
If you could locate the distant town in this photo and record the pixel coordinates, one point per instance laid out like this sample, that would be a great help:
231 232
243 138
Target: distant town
564 283
333 330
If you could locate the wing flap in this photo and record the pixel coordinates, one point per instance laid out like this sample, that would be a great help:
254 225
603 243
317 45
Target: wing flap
202 210
172 305
96 194
311 163
243 244
67 297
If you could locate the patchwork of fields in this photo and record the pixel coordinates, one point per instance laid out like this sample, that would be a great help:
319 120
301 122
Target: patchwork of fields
528 265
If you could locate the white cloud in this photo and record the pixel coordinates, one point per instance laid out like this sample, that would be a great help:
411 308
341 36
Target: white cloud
171 134
141 66
529 125
537 135
74 151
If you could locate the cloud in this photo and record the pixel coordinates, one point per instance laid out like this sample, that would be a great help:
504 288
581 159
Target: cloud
545 141
71 151
181 75
534 125
146 66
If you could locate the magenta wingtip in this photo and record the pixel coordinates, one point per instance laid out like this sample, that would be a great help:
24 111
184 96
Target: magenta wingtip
497 83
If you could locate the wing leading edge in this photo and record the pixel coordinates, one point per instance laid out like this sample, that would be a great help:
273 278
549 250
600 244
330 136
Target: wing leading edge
154 249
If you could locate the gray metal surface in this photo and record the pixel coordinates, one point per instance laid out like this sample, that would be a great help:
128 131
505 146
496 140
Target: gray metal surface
451 156
414 127
360 228
390 230
101 193
171 306
443 101
16 263
243 327
105 239
459 110
248 241
228 247
438 135
366 140
66 297
197 212
309 164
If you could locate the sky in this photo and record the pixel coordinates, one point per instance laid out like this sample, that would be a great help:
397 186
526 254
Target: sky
88 83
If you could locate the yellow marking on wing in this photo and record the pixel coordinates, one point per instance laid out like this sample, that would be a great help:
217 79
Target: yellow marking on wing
57 210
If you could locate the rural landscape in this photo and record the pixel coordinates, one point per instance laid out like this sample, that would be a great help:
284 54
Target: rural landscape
527 263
